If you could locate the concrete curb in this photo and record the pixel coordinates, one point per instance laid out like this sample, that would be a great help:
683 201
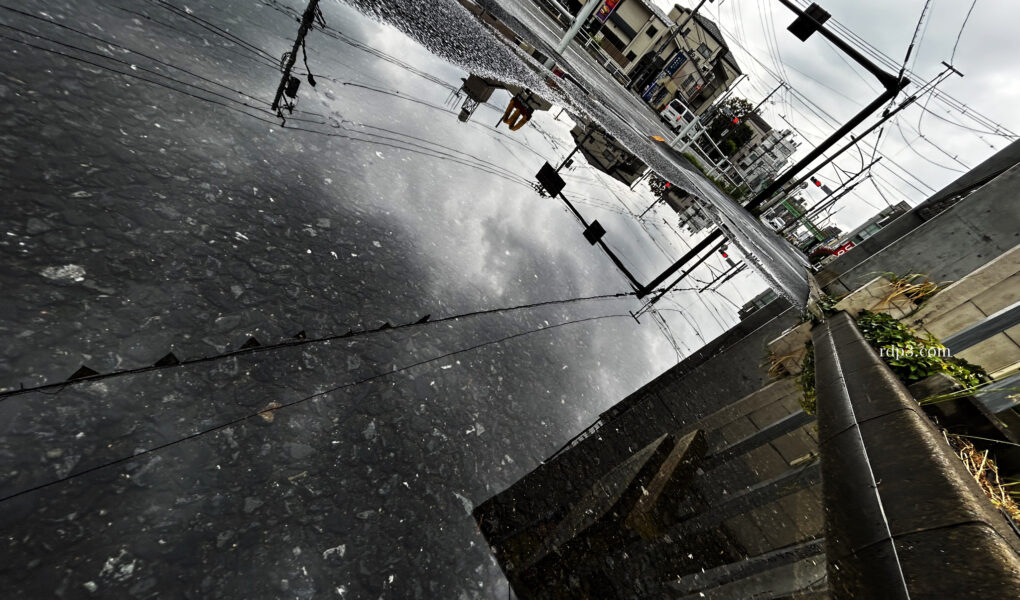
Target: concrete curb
903 518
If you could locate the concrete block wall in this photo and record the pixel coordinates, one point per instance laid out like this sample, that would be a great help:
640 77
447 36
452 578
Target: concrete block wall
897 499
791 519
981 227
789 349
979 294
723 372
877 295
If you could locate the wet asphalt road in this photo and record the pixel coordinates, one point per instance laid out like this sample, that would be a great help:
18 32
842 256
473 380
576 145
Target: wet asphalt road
150 204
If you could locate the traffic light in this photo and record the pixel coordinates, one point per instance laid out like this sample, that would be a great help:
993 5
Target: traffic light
723 252
736 121
816 182
667 185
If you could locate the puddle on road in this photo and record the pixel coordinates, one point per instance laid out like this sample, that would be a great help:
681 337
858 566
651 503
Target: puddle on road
164 208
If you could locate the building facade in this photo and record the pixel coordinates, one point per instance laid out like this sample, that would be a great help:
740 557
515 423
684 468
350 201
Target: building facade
606 154
693 65
765 154
780 215
876 223
693 216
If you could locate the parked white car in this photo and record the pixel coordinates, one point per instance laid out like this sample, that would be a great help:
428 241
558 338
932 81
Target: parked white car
676 114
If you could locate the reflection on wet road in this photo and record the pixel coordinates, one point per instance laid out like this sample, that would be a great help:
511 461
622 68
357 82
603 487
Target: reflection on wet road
153 203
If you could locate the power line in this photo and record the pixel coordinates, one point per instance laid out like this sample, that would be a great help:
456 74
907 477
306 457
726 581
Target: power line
913 41
291 343
282 406
960 34
813 107
939 95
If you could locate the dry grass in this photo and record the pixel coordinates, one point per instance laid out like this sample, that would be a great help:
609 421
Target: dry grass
777 369
986 473
912 287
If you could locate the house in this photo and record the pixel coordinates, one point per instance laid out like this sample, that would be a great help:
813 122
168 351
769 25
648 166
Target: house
633 28
693 215
694 65
765 154
759 301
603 152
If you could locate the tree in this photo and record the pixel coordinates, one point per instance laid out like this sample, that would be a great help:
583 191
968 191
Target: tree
723 129
658 186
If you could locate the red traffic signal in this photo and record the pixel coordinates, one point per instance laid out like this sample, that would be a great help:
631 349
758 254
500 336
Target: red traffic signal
736 121
816 182
724 255
667 185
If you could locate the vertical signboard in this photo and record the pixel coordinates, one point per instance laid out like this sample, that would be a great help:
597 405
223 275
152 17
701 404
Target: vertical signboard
606 9
648 92
675 64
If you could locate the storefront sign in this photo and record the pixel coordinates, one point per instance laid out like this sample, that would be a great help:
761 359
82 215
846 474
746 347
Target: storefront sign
843 249
675 64
606 9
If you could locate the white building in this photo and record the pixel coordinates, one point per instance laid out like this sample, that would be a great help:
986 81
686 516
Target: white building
765 155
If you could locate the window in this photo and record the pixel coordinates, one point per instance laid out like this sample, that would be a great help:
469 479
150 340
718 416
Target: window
631 56
704 51
688 82
651 31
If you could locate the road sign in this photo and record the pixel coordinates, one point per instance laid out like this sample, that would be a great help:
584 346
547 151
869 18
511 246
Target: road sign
594 232
648 93
676 63
809 22
550 180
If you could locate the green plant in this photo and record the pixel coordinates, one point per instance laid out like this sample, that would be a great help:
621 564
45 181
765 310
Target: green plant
730 190
694 161
911 356
827 303
806 381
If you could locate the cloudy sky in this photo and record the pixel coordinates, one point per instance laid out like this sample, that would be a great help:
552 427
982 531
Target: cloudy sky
913 166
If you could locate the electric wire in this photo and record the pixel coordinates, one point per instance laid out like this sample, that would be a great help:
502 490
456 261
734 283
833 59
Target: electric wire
285 405
960 33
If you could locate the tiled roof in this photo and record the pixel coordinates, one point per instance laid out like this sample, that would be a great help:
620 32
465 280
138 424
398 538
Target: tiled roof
657 12
709 26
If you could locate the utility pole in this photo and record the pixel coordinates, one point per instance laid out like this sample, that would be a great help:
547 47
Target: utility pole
707 116
807 23
825 202
730 271
579 21
650 207
587 134
692 252
854 139
680 27
781 85
288 83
